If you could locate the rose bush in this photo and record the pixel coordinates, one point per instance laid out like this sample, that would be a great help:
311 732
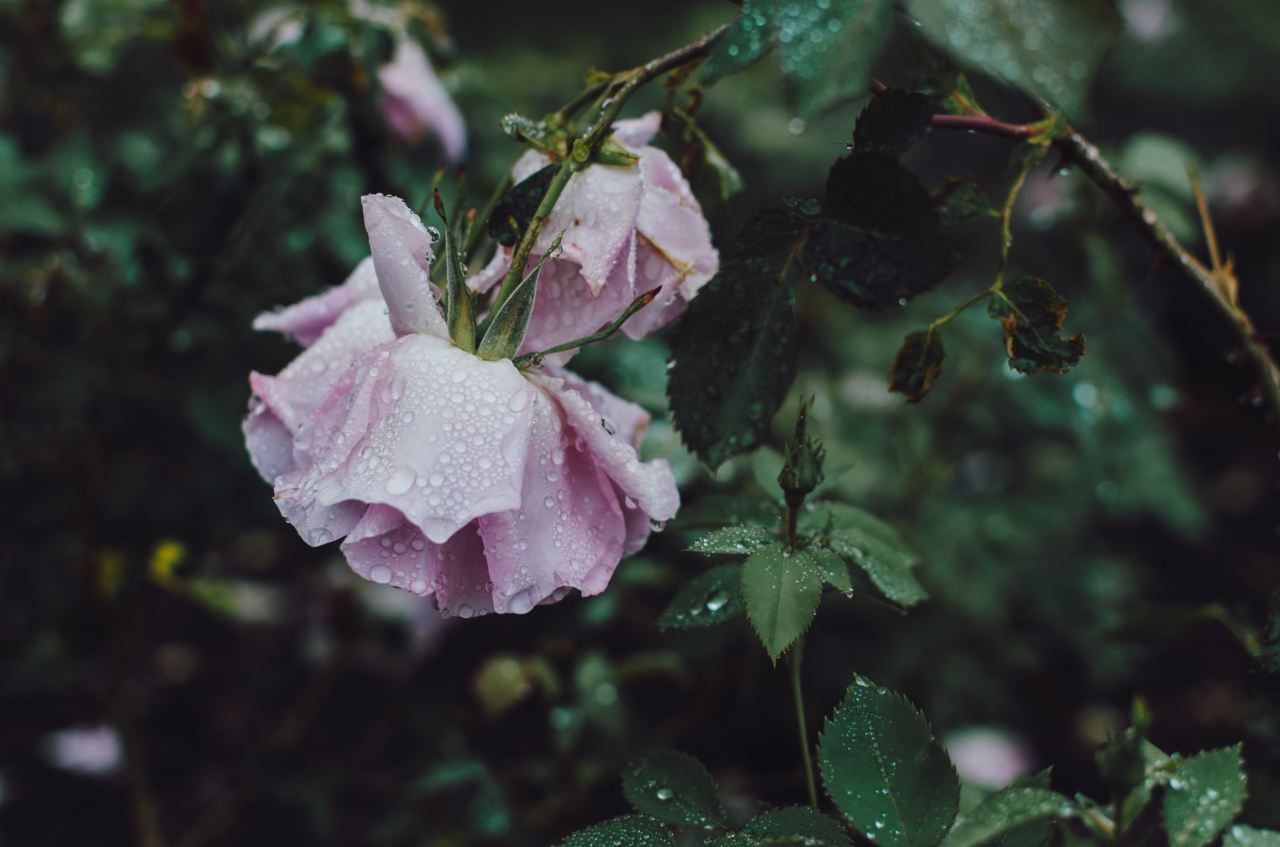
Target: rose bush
484 486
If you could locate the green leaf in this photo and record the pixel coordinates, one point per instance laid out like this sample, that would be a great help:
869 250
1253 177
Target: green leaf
673 787
832 567
825 49
892 122
716 510
871 544
917 365
782 591
631 830
734 350
708 599
794 826
1203 797
960 200
1050 48
877 243
1003 813
461 315
733 540
885 771
511 216
1032 314
1246 836
510 321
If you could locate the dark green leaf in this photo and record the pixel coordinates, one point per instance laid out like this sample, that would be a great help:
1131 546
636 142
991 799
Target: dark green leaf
673 787
1246 836
877 243
961 200
1047 47
630 830
1203 797
892 122
795 826
716 510
825 49
885 771
708 599
734 351
733 540
1032 314
832 566
782 591
1005 813
510 321
871 544
917 365
514 211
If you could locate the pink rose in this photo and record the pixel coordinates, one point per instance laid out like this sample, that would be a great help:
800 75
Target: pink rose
490 488
416 103
627 230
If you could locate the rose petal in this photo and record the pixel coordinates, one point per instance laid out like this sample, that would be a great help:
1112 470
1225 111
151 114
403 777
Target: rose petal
306 320
569 530
417 103
402 257
638 131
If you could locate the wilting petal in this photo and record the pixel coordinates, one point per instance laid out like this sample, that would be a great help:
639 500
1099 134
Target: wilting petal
568 531
304 321
671 221
623 418
650 484
417 103
385 548
423 427
637 132
269 441
402 258
463 588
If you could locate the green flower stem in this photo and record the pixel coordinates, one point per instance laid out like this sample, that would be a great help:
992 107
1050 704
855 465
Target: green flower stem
477 226
612 98
794 658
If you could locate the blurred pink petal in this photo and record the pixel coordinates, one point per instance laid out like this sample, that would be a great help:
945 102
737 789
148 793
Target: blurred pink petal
987 757
416 103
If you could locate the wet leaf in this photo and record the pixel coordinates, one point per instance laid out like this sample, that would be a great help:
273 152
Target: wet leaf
825 49
733 540
917 365
1203 797
673 787
794 826
734 350
892 122
1246 836
631 830
960 200
514 211
885 771
1032 314
713 597
1003 814
782 591
1050 48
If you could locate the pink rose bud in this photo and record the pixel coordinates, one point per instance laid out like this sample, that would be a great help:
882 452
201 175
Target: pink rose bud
416 103
488 488
627 229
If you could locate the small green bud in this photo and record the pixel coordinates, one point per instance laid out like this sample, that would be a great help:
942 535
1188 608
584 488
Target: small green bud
802 471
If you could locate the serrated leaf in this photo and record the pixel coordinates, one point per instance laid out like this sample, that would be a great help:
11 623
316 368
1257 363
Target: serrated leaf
825 49
1204 796
885 771
1004 813
1032 314
794 826
917 365
631 830
832 566
1246 836
886 565
734 350
892 122
877 243
1050 48
514 211
733 540
673 787
708 599
960 200
782 591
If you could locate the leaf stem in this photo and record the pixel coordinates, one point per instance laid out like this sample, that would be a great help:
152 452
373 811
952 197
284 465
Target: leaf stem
794 659
1006 222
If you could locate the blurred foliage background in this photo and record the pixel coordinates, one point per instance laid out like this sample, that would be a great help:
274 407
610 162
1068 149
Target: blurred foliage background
173 653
